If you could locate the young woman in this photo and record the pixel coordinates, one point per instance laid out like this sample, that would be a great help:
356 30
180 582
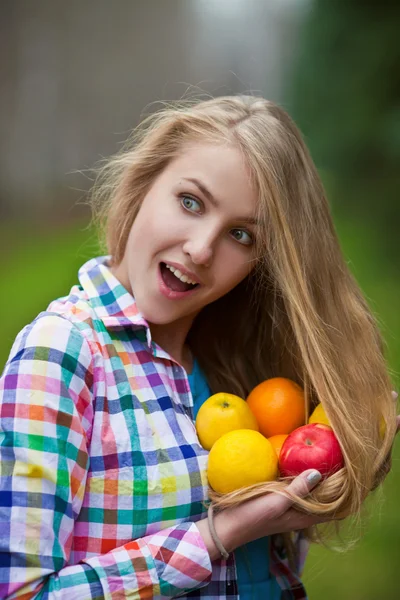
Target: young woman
223 270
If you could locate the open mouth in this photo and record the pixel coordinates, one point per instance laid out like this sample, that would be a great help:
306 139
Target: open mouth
174 283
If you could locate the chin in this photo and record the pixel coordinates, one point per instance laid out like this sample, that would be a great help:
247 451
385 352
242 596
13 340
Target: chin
157 319
156 315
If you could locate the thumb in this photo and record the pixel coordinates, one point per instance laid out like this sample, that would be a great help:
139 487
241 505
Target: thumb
300 486
305 482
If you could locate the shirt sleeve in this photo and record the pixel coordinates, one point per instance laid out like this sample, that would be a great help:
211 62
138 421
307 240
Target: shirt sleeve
46 412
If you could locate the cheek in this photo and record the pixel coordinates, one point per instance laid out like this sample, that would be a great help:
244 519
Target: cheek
159 221
145 233
233 267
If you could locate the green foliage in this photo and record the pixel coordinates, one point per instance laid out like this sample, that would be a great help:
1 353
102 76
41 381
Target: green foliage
346 99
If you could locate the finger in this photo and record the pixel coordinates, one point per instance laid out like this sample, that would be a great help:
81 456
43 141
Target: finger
394 395
305 482
300 486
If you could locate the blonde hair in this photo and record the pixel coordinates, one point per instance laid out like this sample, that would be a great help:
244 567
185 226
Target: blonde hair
299 314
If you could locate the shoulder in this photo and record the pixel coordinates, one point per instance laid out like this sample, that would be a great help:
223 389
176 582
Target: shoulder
48 380
51 337
76 307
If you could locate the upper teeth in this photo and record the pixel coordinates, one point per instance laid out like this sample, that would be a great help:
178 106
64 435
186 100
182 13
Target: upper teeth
180 275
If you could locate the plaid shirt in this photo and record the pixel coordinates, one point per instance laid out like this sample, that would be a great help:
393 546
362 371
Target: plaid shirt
102 475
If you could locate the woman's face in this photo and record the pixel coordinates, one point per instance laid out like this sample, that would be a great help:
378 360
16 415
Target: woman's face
198 216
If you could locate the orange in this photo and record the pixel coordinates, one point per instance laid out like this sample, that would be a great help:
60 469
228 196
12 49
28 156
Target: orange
319 416
276 442
221 413
278 405
241 458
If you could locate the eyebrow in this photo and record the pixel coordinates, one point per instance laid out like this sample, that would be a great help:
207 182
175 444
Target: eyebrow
214 202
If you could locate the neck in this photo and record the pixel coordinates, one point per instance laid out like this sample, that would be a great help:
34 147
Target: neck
173 340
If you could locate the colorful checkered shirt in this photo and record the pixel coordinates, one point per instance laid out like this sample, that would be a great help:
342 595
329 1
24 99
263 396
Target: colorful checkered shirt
102 475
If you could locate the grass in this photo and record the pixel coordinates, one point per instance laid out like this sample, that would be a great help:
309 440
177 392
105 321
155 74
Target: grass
44 266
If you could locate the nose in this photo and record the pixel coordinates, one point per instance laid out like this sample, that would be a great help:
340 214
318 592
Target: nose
200 250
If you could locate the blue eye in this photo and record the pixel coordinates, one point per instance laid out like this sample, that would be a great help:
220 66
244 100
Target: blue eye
241 239
187 203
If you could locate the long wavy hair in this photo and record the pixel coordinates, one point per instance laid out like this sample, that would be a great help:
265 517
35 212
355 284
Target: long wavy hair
300 314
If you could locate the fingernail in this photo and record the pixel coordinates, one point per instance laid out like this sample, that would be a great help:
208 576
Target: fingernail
314 477
394 395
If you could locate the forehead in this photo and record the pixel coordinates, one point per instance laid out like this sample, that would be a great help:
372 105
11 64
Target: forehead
208 154
220 168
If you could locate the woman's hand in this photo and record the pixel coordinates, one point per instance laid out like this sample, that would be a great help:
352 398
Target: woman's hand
265 515
273 513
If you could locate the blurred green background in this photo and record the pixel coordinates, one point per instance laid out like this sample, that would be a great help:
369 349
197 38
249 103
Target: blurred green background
71 95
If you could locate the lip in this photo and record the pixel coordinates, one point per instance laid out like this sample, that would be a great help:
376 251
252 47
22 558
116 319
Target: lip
170 294
184 271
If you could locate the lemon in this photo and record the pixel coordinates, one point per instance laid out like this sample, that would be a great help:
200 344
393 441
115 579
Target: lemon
221 413
319 416
240 458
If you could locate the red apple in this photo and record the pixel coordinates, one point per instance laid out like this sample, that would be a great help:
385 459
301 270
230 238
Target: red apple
312 446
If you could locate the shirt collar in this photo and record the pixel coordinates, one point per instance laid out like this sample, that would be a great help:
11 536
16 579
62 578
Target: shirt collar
113 304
